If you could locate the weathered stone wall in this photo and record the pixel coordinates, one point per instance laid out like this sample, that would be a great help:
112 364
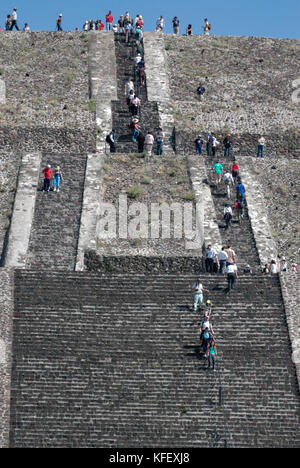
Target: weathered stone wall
6 315
248 81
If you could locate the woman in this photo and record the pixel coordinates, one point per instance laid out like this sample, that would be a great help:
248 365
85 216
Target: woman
206 339
149 140
273 268
212 353
189 30
235 171
283 264
135 130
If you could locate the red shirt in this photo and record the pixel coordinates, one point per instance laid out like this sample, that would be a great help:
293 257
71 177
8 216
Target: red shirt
109 18
47 172
101 26
235 167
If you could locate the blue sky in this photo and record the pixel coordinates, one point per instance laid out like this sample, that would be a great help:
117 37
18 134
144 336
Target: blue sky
268 18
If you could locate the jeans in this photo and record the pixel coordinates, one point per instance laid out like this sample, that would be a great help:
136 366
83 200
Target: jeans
134 135
227 150
58 27
231 281
199 149
56 181
159 150
14 23
209 265
198 299
222 266
108 26
240 197
211 360
260 151
46 186
227 223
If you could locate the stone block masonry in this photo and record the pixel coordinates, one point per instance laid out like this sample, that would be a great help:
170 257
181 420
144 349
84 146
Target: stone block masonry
23 212
6 316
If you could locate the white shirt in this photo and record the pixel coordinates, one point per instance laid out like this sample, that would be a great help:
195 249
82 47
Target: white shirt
231 268
198 287
149 140
222 255
227 178
128 87
215 142
14 15
210 253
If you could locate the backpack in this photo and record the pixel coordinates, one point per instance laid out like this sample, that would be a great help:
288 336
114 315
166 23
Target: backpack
107 139
227 215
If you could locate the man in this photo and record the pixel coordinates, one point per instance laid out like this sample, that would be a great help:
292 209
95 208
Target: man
160 136
222 257
230 255
198 144
232 275
227 145
141 142
200 90
240 191
206 27
227 216
58 22
214 144
198 293
260 147
14 19
109 21
209 260
121 24
127 26
111 141
176 25
128 87
26 28
135 131
218 170
47 178
135 104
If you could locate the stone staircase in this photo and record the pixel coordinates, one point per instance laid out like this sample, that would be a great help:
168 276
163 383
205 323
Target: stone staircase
240 236
148 117
55 229
114 361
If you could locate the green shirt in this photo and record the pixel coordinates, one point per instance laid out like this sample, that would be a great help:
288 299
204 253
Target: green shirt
218 168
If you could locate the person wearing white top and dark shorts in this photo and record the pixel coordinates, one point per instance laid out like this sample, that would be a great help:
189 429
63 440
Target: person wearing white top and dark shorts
231 271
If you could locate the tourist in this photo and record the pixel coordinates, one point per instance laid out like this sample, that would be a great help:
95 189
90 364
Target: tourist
235 171
58 22
212 353
294 267
160 24
227 216
121 24
141 142
135 105
209 145
240 191
189 30
127 26
206 27
134 127
200 90
207 310
198 290
8 23
232 275
261 147
227 145
283 265
111 140
129 100
247 270
129 86
214 144
47 178
58 177
205 339
227 179
222 257
176 25
138 34
160 136
210 254
218 170
115 29
266 269
198 144
273 268
14 19
239 207
231 257
26 28
149 141
142 73
85 27
109 21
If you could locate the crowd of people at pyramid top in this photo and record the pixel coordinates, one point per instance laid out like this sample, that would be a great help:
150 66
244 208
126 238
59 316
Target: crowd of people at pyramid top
109 23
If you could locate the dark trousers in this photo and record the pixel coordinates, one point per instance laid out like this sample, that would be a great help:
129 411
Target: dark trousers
14 24
112 147
46 186
209 265
222 266
231 281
